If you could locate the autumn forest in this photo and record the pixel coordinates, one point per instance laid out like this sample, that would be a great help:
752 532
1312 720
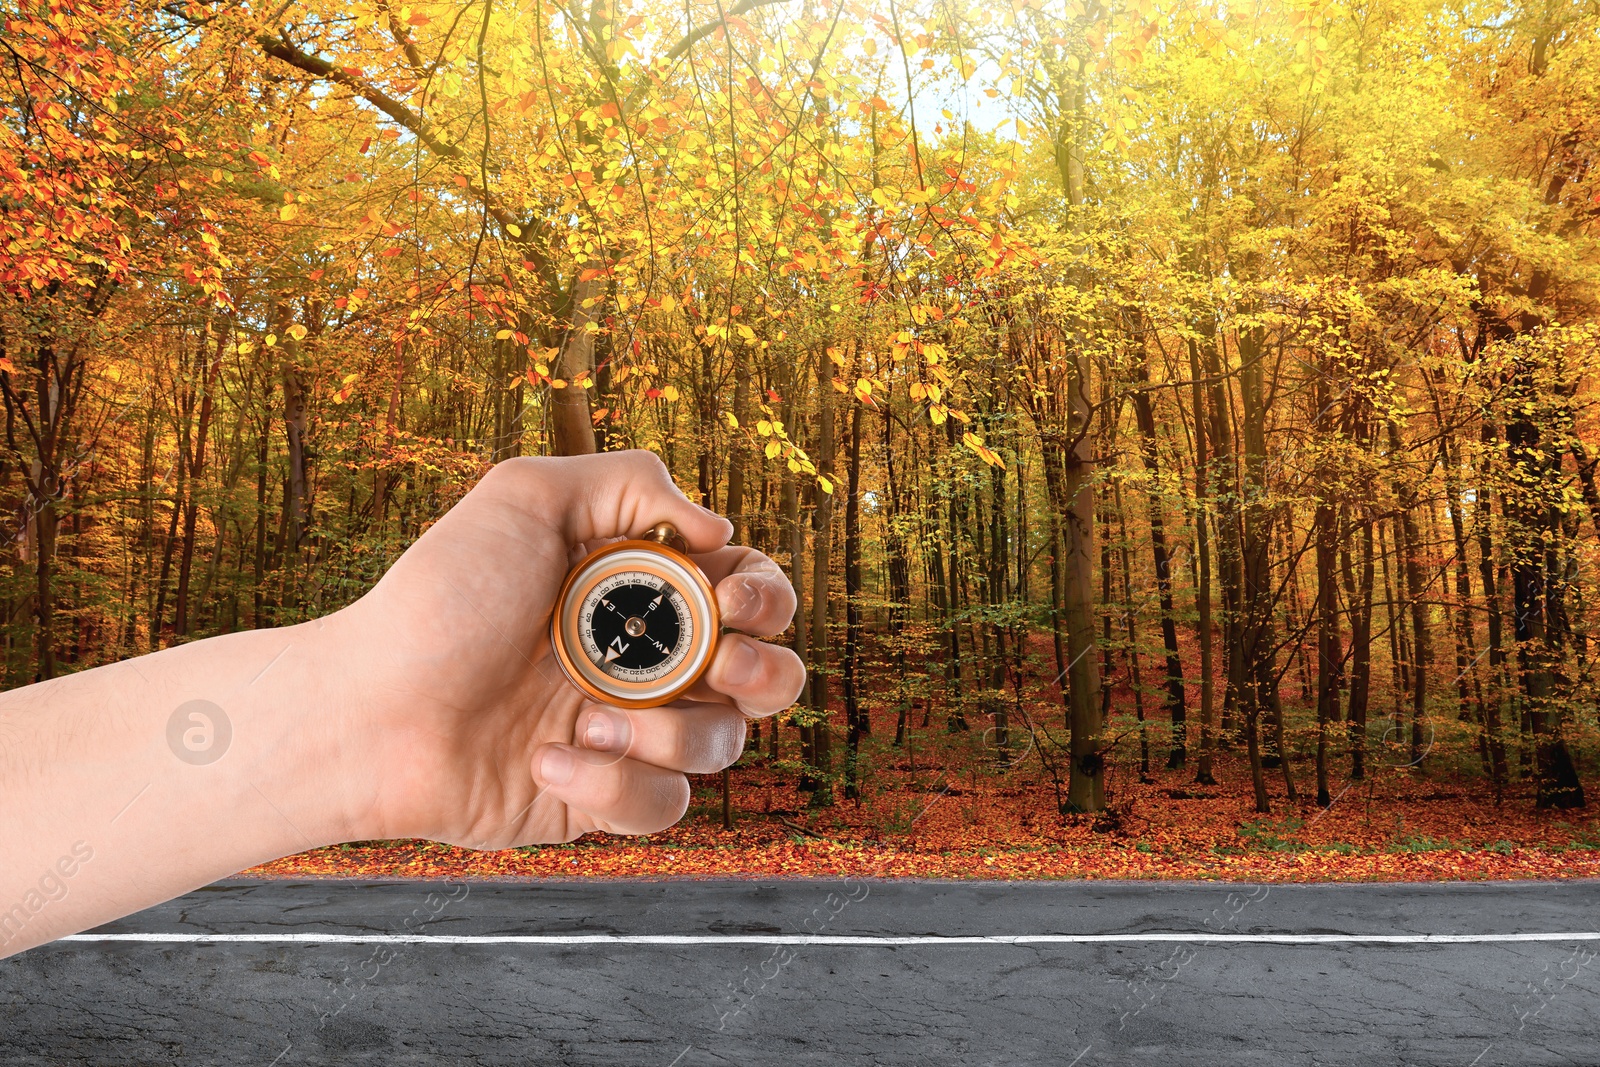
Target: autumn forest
1149 398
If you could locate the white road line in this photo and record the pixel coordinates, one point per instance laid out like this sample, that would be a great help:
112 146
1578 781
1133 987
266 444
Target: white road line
841 940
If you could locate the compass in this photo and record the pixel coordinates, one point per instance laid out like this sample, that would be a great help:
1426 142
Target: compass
636 622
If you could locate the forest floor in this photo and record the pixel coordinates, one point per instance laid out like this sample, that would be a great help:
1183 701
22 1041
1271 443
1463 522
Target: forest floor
955 805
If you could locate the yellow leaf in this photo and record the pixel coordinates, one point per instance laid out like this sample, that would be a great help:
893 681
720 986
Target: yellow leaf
825 484
298 332
270 340
513 229
502 335
670 392
764 428
287 212
772 449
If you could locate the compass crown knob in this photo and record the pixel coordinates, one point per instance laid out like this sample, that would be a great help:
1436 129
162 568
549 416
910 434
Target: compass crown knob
664 533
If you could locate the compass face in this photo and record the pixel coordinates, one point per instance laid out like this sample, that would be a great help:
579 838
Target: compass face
635 624
636 627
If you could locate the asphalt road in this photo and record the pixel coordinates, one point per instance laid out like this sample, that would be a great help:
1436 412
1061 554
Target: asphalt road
684 974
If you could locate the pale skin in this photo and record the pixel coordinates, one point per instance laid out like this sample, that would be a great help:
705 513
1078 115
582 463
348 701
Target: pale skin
432 708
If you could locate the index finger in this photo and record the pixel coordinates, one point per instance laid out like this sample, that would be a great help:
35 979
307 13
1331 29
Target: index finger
753 593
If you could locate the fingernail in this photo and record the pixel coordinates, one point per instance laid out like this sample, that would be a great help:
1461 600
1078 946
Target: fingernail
737 600
556 766
743 664
603 732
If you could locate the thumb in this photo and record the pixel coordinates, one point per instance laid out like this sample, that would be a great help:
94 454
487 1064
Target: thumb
623 494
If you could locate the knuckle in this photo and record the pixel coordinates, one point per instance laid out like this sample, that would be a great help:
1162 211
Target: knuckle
510 468
645 461
511 477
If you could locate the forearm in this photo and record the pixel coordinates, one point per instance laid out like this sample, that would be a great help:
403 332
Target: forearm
132 783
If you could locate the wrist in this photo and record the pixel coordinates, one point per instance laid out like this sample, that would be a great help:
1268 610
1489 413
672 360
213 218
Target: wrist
327 731
284 705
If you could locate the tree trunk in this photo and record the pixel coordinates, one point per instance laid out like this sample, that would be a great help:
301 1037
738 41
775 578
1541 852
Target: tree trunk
1482 515
794 535
259 563
168 547
1330 653
1421 654
570 417
996 595
197 468
738 457
1256 589
956 720
1177 710
1203 771
1468 677
1086 785
1536 523
821 556
1226 481
296 505
1360 599
1136 683
1056 497
855 714
899 567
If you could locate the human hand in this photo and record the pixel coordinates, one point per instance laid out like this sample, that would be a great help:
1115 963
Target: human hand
465 728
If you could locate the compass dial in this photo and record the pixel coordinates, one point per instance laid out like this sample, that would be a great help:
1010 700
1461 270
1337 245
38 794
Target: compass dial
636 624
636 627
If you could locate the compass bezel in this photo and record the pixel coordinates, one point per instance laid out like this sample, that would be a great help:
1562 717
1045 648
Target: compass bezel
666 563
